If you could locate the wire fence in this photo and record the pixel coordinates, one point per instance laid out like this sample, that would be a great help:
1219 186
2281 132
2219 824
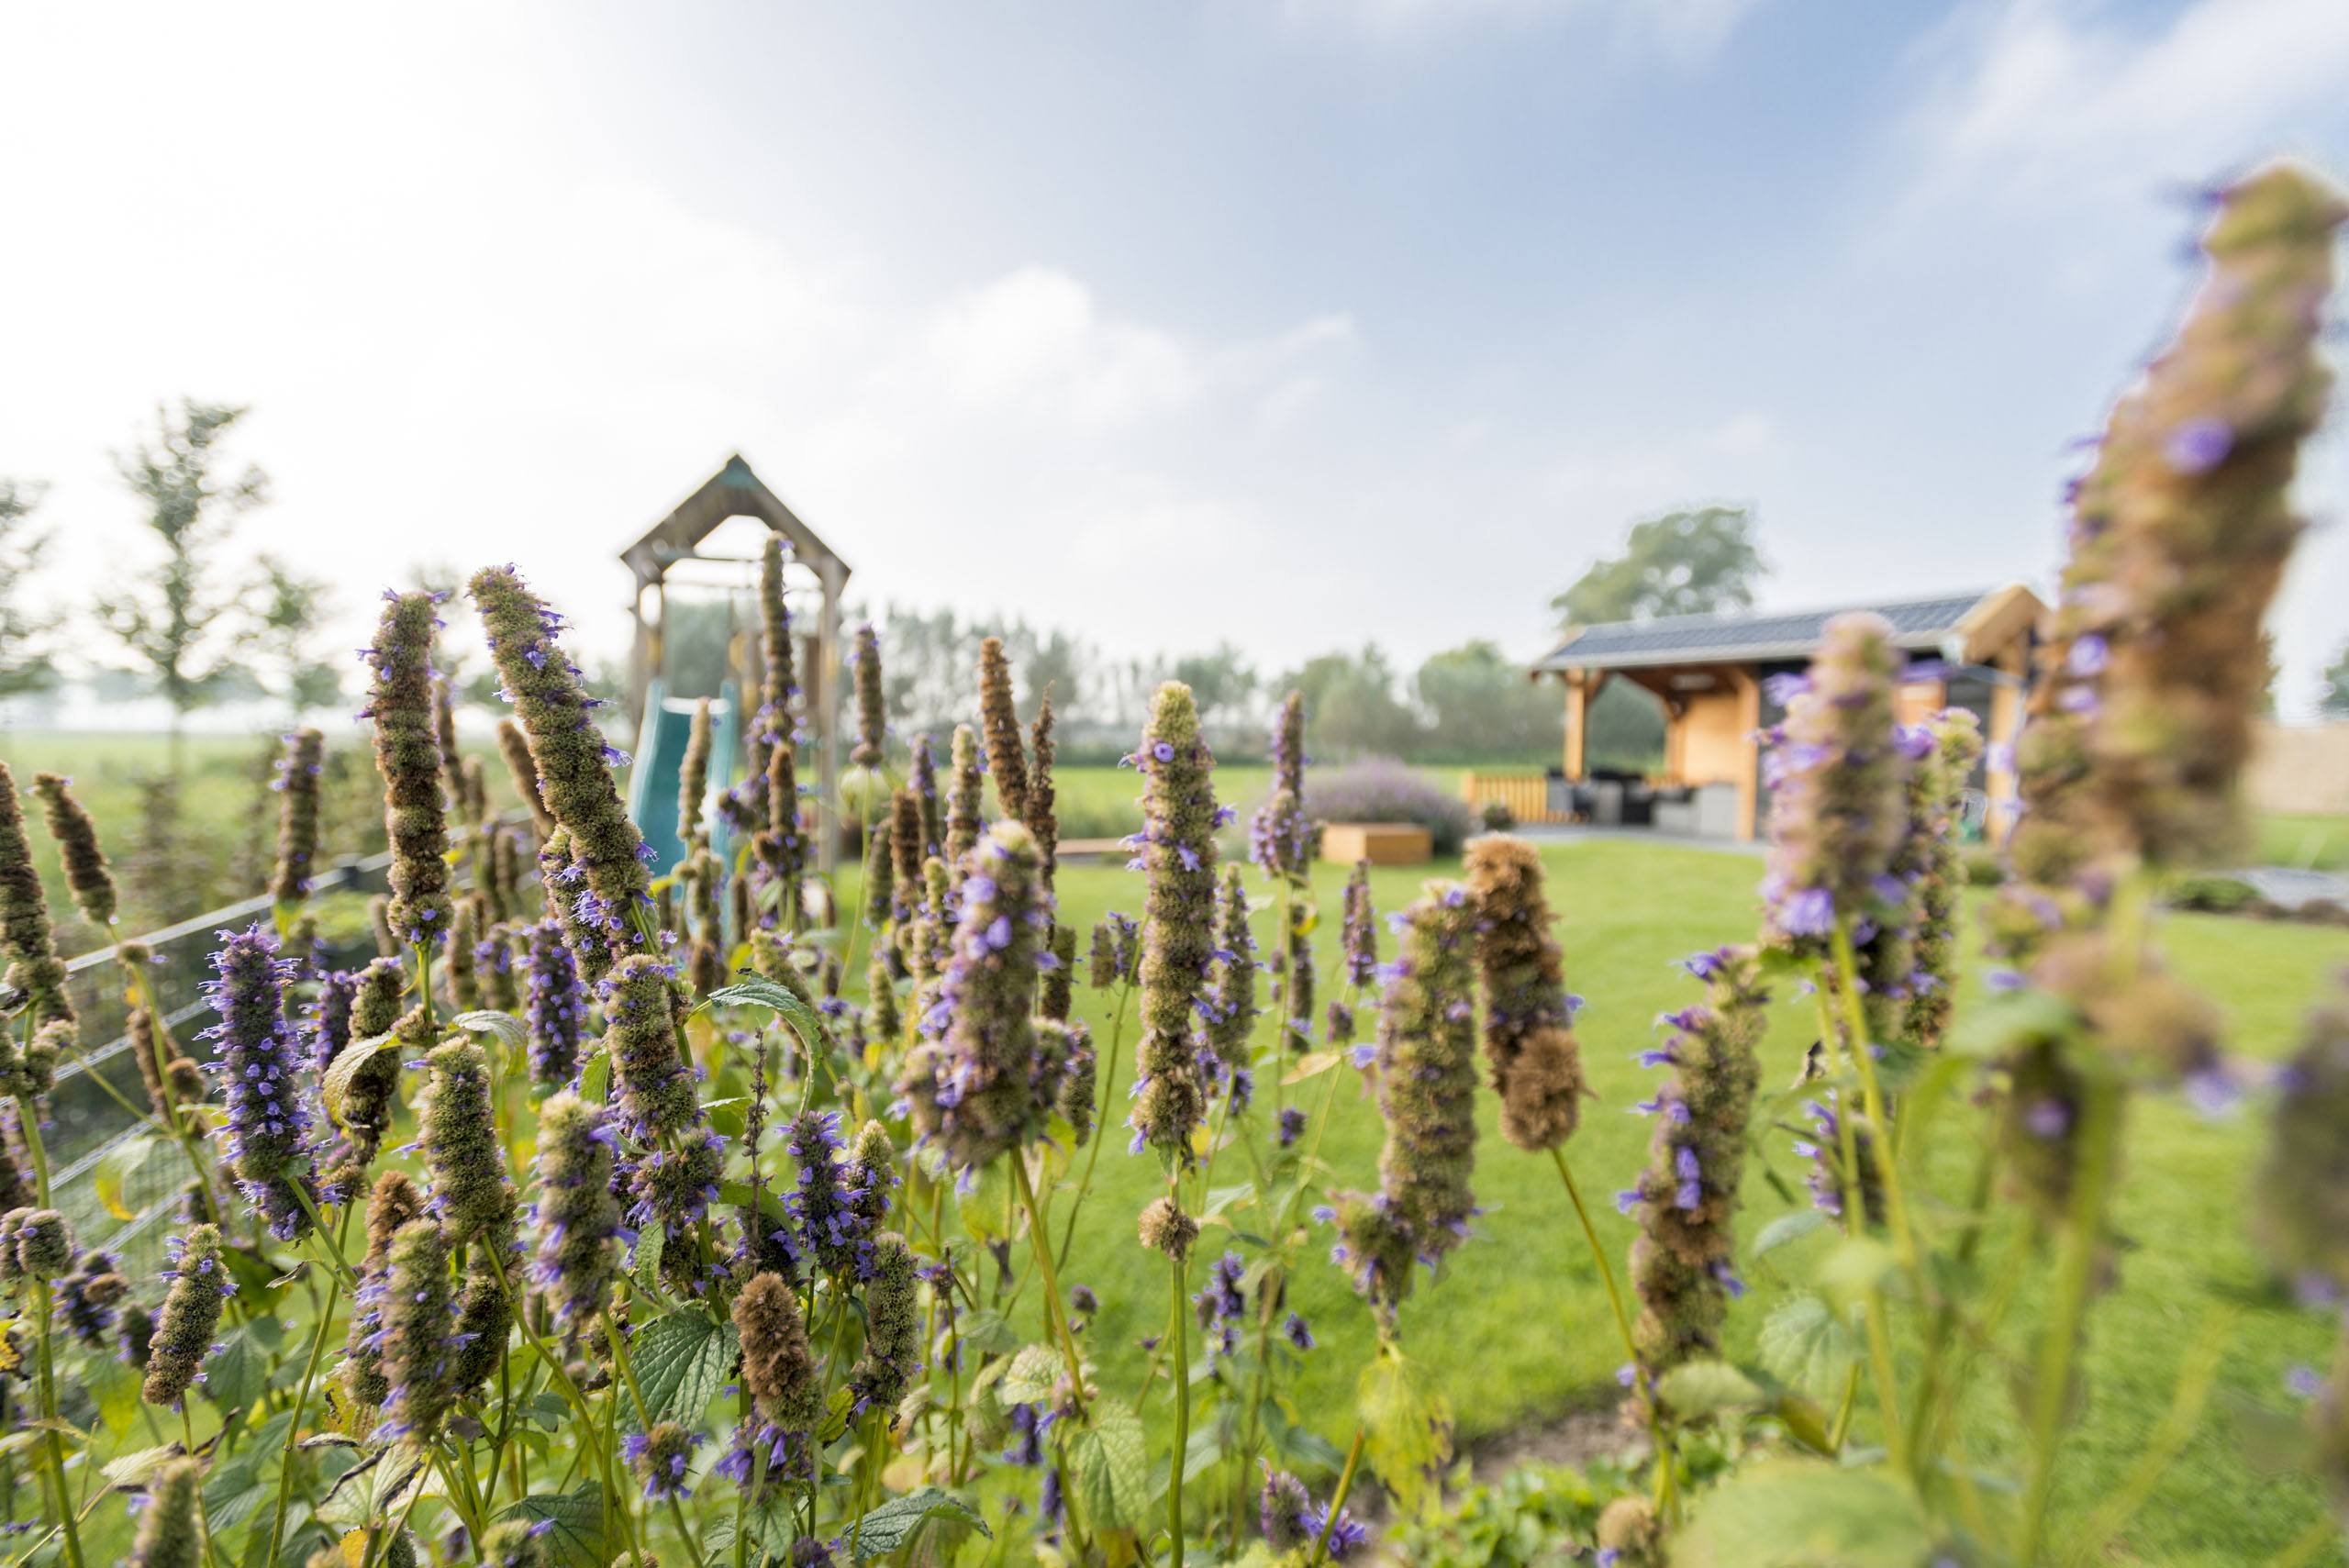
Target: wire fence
113 1201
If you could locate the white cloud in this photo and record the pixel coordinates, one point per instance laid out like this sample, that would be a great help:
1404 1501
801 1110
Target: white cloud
2031 93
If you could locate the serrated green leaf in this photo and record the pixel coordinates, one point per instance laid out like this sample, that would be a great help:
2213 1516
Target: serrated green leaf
510 1029
681 1361
893 1524
1787 1229
133 1468
1804 1344
757 991
1705 1388
1791 1514
644 1266
1032 1373
1126 1449
335 1087
1406 1426
238 1375
574 1523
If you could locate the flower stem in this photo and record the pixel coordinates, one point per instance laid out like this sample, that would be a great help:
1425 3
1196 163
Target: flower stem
1180 1389
48 1414
1338 1497
301 1400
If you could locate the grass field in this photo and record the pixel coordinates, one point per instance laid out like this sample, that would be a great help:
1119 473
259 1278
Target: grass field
1519 1327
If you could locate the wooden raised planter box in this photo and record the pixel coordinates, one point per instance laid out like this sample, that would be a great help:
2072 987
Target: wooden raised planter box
1380 843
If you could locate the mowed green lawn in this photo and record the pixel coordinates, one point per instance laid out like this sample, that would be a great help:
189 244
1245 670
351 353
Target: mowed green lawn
1519 1327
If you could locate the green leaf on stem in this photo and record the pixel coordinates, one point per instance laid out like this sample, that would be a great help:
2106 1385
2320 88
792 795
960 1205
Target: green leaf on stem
681 1361
1792 1511
575 1522
1805 1343
893 1524
1698 1388
510 1029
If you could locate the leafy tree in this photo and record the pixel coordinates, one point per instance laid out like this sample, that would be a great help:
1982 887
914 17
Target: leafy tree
1689 561
2333 697
287 635
1222 681
1693 561
1350 707
169 627
26 664
1056 661
1481 707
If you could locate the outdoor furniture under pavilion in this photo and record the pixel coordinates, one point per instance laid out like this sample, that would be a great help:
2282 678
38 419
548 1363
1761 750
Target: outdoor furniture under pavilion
1706 673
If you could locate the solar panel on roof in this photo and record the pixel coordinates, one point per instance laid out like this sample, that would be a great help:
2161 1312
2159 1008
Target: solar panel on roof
1916 623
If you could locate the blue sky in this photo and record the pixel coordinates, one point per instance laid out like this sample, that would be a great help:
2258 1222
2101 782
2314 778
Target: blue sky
1294 322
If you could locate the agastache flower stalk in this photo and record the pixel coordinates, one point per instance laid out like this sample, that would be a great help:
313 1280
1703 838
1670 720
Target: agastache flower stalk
444 737
418 1318
1836 808
1530 1046
879 879
923 779
573 906
330 1017
778 1368
2183 529
370 1093
1179 936
574 761
1232 1007
1688 1195
494 970
692 779
1059 989
1039 807
872 707
258 1060
1427 1059
459 973
892 1329
1280 838
976 1088
515 747
905 855
780 688
1360 941
577 1215
1117 950
471 1194
656 1087
1936 790
395 1201
200 1287
963 822
781 852
2302 1194
485 1318
1007 764
407 755
26 934
169 1536
297 815
87 875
